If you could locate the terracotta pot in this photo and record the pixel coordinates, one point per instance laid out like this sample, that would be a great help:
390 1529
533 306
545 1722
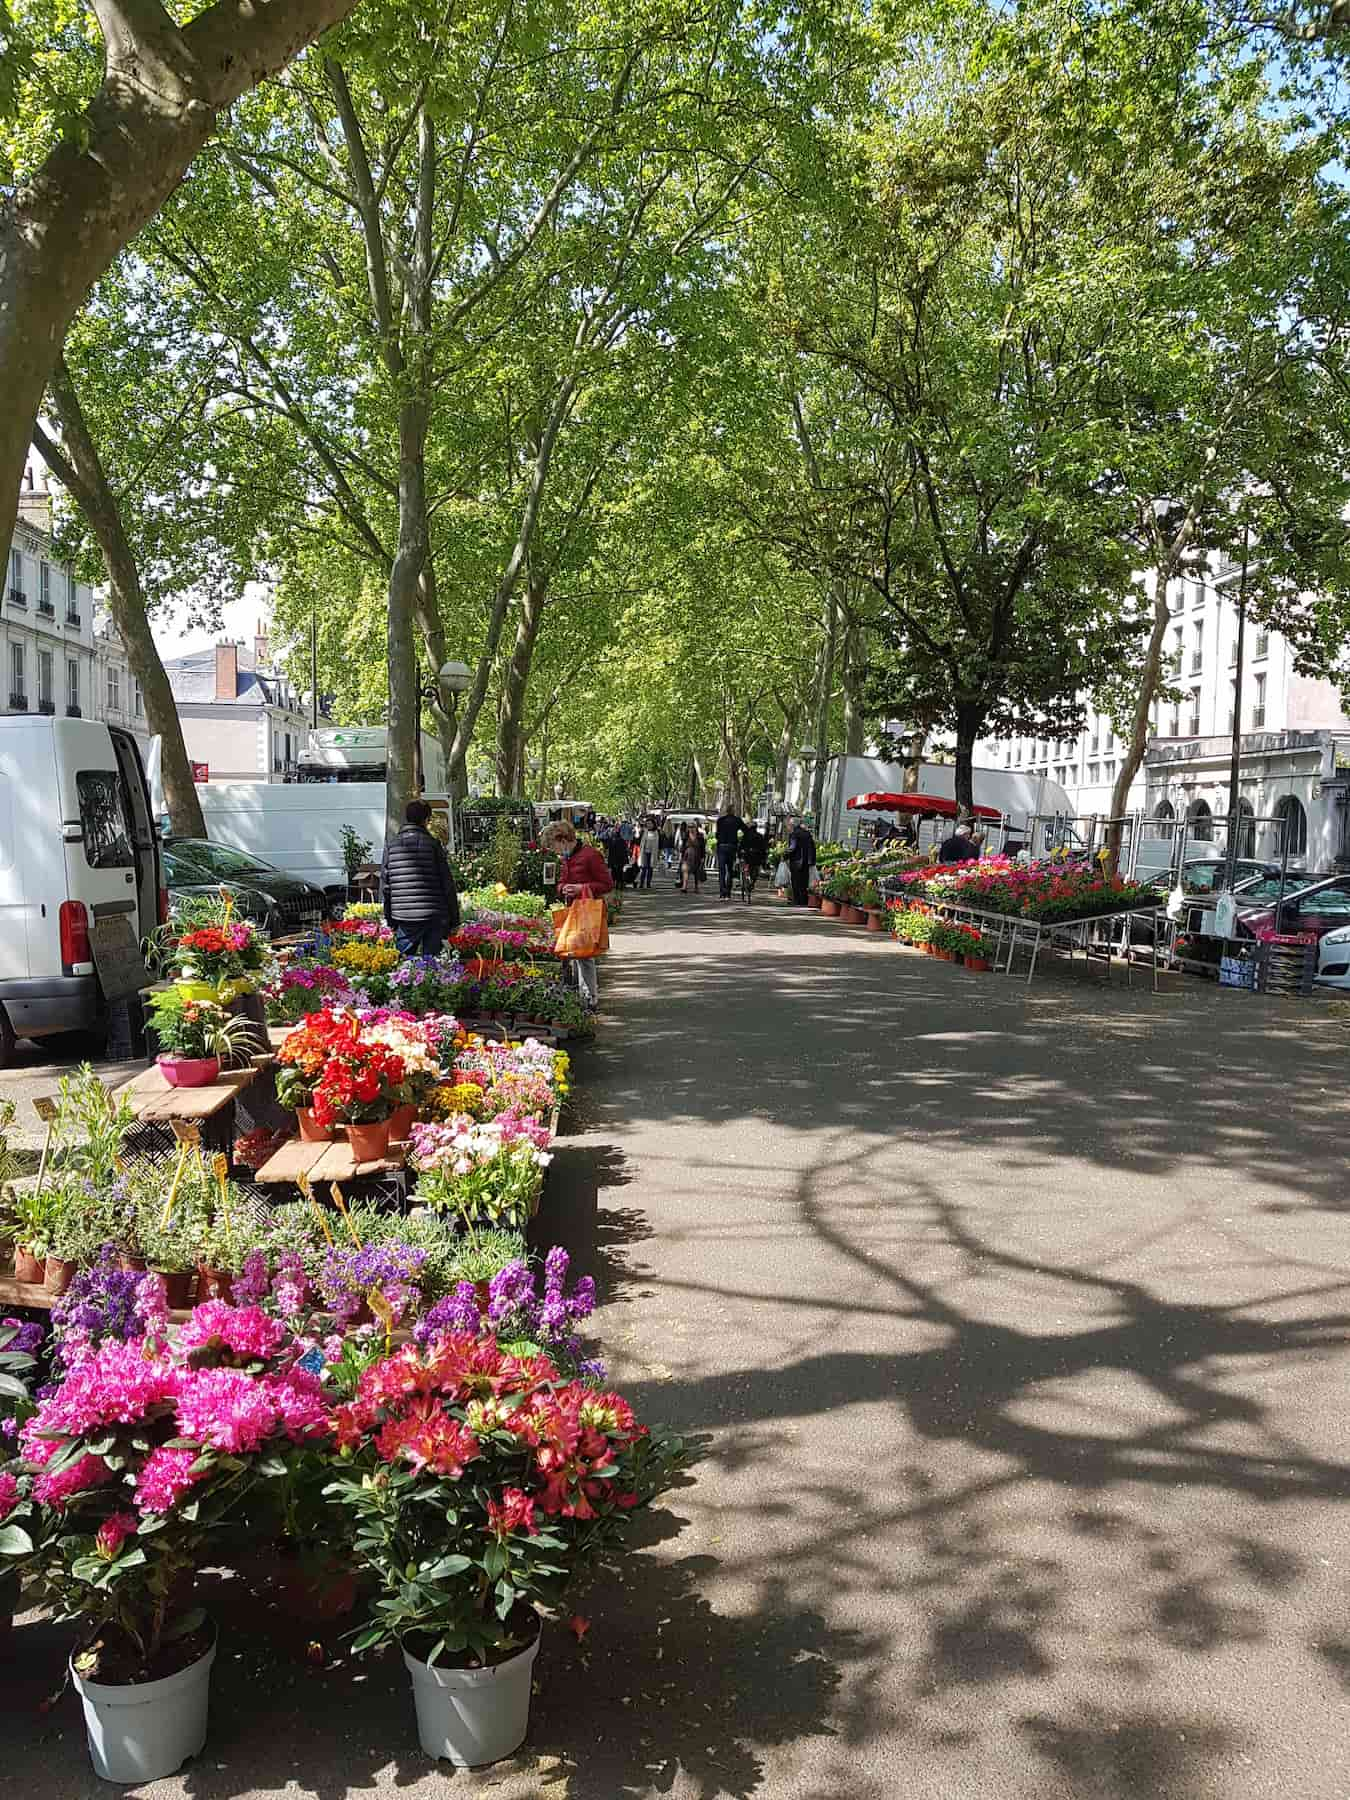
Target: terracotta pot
27 1267
189 1071
214 1284
876 921
58 1274
814 902
854 915
979 963
369 1142
311 1132
178 1287
401 1122
829 908
132 1265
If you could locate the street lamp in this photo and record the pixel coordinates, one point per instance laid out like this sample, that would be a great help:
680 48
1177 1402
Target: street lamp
453 678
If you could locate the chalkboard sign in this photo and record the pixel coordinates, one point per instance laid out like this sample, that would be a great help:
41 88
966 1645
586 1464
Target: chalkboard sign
117 957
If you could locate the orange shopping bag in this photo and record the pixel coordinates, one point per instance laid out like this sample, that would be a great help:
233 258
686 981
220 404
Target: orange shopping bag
585 931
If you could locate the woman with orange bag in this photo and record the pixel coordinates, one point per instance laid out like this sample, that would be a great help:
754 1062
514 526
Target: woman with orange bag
580 867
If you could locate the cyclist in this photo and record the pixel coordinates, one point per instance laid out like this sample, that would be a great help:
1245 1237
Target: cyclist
754 854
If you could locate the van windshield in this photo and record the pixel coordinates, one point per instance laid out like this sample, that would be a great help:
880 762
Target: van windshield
107 834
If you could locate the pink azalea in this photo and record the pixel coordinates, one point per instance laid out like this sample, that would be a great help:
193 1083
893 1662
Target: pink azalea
9 1493
226 1409
165 1478
246 1330
114 1532
57 1488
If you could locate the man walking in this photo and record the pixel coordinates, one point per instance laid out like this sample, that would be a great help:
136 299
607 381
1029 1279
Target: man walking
801 857
649 847
728 832
420 901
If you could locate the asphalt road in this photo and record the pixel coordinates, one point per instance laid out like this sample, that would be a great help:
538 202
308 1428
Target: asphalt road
1018 1326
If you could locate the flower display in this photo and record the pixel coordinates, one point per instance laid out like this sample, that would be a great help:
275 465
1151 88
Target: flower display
1048 890
481 1482
222 953
488 1172
304 988
520 1316
363 956
349 1276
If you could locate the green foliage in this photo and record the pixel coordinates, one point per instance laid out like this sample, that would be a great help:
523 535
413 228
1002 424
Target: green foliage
356 850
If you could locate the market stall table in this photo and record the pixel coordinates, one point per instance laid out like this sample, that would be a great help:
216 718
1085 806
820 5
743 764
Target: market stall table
158 1106
298 1160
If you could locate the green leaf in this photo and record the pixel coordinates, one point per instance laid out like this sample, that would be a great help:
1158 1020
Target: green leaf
192 1620
14 1541
447 1566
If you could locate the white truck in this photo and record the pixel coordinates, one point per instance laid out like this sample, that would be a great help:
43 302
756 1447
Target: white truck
298 826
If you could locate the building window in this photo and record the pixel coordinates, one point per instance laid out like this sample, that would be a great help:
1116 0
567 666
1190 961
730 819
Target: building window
45 588
72 684
18 695
1198 648
114 690
1292 826
138 700
1193 726
45 680
1176 722
1246 828
16 593
72 601
1176 596
1262 649
1201 821
1109 772
1259 703
1094 774
1176 651
1232 704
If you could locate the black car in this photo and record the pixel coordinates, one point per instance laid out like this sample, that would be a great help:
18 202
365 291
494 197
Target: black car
279 902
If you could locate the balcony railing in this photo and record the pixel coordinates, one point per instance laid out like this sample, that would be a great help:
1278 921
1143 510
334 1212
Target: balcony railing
73 711
18 703
47 706
72 618
17 597
46 610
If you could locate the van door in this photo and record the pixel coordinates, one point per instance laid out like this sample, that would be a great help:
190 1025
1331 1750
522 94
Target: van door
96 824
144 837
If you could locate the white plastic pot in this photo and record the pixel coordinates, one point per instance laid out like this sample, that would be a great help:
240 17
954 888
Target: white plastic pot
473 1716
141 1731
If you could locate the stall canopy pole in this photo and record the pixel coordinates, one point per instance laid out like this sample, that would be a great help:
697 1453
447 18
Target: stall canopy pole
1235 759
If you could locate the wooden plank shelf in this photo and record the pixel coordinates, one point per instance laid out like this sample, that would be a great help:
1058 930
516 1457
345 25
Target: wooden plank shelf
154 1100
297 1159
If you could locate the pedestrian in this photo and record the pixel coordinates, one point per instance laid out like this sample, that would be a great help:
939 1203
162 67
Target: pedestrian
961 846
649 846
728 833
420 900
681 838
580 866
694 857
616 855
801 859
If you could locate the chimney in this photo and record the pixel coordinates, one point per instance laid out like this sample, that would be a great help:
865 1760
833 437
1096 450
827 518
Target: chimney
260 646
35 502
227 671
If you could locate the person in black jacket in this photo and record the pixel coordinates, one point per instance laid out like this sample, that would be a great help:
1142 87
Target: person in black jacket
728 831
420 900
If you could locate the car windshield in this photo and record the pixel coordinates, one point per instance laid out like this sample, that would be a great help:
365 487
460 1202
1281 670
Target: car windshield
218 859
1267 887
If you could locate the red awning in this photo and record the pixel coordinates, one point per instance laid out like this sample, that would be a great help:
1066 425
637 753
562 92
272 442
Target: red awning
929 804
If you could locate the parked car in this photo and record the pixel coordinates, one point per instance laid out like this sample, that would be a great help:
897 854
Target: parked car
77 848
1201 875
279 902
1317 906
1333 958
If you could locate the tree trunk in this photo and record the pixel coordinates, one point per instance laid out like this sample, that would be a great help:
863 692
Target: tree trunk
78 465
824 695
783 755
404 718
1149 683
914 749
968 722
162 90
854 667
511 714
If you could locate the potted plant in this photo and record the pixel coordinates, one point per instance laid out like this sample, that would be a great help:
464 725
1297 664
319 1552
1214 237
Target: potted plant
359 1089
166 1230
76 1230
301 1061
195 1037
31 1212
132 1464
479 1483
220 962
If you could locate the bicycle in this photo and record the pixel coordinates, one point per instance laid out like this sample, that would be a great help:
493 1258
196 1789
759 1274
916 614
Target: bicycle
749 876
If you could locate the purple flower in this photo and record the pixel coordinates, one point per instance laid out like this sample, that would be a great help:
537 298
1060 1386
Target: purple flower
27 1339
456 1312
100 1303
251 1283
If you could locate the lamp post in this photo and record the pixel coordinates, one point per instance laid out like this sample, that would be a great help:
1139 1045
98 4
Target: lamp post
451 678
1235 754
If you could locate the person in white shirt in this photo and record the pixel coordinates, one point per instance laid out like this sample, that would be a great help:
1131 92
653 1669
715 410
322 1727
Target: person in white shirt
649 847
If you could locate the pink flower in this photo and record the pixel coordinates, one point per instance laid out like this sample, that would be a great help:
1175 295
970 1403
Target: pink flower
117 1385
114 1532
301 1408
55 1490
9 1493
165 1478
226 1409
246 1330
513 1512
152 1305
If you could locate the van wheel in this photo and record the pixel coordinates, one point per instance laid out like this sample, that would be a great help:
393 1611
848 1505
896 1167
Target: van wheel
6 1040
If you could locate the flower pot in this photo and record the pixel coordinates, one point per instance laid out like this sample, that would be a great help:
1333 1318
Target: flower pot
875 919
178 1287
401 1122
473 1716
369 1142
311 1132
27 1267
132 1265
214 1284
830 908
814 902
198 990
145 1730
852 915
980 963
58 1274
189 1071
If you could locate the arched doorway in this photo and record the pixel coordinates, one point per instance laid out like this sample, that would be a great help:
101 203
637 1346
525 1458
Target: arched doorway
1164 813
1201 821
1292 832
1246 832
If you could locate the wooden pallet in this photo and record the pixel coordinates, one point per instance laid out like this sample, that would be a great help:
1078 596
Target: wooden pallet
35 1297
153 1100
297 1159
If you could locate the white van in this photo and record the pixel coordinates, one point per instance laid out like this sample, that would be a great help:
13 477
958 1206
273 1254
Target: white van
77 845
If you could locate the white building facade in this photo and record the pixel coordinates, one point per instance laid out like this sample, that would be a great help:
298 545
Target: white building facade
1295 737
